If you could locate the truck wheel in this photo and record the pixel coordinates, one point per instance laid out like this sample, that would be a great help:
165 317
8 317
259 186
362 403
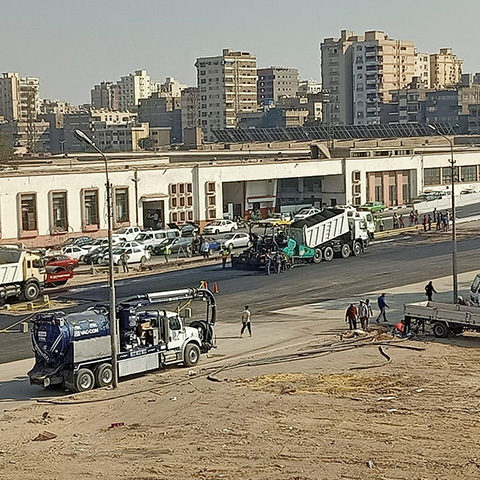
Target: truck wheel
317 256
31 291
440 330
104 375
357 249
328 254
191 355
84 380
346 250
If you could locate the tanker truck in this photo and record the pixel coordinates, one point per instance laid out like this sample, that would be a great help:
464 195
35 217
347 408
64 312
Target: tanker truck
74 350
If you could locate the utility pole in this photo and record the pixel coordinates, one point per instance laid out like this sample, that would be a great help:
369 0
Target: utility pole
111 278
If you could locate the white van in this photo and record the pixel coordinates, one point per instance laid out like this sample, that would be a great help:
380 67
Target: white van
156 238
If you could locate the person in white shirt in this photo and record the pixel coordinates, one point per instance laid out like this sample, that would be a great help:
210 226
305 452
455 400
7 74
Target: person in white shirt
246 321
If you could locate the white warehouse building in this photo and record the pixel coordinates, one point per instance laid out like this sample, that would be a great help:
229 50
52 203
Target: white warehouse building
45 201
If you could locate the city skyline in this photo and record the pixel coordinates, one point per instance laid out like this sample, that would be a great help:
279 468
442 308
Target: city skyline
95 43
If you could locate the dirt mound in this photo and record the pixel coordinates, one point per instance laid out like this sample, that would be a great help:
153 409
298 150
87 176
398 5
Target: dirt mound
323 384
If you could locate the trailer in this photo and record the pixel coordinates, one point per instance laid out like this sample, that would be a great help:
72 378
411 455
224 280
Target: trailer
74 350
326 234
445 318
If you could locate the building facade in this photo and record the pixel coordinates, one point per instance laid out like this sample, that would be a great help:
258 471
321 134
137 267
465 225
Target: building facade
189 107
133 87
445 69
380 65
227 86
105 95
422 67
337 72
276 82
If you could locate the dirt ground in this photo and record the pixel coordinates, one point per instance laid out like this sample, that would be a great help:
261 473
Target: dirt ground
314 418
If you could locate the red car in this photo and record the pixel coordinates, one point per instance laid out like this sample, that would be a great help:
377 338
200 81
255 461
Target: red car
62 261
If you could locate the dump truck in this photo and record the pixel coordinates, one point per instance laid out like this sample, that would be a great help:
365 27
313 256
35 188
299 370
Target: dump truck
444 318
74 350
23 274
326 234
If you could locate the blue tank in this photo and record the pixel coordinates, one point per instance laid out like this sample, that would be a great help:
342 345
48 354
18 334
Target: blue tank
54 333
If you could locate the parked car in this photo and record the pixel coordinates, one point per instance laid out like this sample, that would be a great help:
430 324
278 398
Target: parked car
234 240
373 207
94 255
132 244
220 226
156 238
175 245
78 241
135 255
74 251
188 229
306 212
213 244
63 261
127 233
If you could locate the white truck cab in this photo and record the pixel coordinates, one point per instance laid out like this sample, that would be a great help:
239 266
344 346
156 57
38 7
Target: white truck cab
475 290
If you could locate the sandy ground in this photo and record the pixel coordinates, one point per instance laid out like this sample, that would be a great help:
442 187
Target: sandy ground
316 418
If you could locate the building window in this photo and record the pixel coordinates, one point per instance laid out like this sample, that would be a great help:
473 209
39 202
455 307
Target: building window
432 176
28 211
121 205
447 175
90 208
59 219
469 174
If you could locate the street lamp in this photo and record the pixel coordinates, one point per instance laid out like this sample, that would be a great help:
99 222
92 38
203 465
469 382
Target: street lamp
113 316
454 230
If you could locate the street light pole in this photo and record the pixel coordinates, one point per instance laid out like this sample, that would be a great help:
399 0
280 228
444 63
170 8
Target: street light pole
454 227
111 280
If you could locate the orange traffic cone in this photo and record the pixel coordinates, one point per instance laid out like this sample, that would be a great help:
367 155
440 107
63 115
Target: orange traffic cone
205 285
215 288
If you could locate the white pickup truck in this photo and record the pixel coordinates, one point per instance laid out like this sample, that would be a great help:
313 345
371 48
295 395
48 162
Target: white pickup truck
445 318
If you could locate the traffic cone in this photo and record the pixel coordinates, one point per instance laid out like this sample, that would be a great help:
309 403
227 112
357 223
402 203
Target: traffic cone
205 285
215 288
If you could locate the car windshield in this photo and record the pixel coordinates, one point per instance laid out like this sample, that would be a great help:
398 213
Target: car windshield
118 251
141 236
121 230
229 236
214 224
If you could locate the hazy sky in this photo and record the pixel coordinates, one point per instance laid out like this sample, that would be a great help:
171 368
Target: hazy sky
73 44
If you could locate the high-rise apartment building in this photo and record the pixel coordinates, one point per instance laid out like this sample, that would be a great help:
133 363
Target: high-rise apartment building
380 65
132 88
276 82
171 87
189 105
227 86
337 64
105 95
445 69
422 68
19 97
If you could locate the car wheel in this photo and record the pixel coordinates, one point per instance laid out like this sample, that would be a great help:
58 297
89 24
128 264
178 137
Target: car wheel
249 244
232 229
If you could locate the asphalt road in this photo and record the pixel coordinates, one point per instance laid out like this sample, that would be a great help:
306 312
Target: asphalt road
385 264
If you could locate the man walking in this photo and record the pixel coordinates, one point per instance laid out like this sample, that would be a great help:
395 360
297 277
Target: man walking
351 316
382 306
124 261
429 290
362 315
246 321
268 263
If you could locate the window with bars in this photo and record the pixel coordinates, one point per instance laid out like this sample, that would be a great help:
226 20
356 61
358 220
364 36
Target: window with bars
59 221
28 210
469 173
121 205
432 176
90 207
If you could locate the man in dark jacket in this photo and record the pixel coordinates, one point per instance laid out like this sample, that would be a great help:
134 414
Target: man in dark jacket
351 316
429 290
382 306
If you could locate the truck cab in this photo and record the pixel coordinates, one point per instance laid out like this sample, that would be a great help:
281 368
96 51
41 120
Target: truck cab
22 274
475 290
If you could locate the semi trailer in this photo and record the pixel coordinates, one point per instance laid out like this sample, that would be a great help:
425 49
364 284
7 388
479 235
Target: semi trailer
74 350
